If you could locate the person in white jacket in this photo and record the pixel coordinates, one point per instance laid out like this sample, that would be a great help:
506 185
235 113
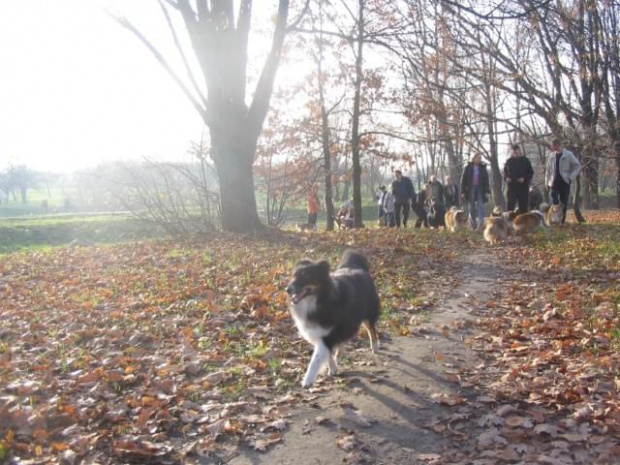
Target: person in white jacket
562 168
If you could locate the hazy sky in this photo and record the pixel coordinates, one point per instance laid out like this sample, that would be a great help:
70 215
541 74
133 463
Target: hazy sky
77 89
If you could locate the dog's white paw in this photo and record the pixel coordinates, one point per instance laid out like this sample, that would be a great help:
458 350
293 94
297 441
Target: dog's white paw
306 383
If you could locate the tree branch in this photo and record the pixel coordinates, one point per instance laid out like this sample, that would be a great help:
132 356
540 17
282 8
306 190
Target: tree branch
123 22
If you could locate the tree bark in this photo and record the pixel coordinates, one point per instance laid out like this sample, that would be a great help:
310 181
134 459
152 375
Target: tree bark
577 201
355 139
234 169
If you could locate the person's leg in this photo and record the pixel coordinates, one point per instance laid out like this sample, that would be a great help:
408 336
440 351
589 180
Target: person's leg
471 206
405 214
312 217
480 202
554 195
397 208
511 198
564 194
392 220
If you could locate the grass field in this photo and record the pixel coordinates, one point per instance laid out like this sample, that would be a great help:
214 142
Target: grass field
60 230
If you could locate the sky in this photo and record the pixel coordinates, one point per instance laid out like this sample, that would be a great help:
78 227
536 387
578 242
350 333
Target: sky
76 89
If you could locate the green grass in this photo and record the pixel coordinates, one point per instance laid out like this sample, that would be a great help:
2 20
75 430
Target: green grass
54 231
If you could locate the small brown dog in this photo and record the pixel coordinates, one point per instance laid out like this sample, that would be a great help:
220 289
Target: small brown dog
495 229
528 222
455 219
554 215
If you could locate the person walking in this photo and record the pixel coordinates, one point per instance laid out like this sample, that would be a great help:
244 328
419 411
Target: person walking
404 194
475 189
562 168
388 208
518 174
381 204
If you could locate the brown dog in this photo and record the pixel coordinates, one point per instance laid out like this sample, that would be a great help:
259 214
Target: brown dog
455 219
495 230
528 222
554 215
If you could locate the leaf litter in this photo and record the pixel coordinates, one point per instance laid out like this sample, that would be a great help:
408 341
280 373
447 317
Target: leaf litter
167 352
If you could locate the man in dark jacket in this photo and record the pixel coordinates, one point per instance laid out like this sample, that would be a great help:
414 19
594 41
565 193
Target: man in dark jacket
518 173
404 193
475 189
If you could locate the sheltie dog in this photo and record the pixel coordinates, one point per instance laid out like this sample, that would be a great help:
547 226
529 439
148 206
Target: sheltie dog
528 222
329 308
455 219
495 229
554 215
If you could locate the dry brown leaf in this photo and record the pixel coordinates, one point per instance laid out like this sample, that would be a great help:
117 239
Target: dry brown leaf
346 443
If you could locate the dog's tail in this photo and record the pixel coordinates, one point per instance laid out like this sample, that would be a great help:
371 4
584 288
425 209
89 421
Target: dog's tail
353 259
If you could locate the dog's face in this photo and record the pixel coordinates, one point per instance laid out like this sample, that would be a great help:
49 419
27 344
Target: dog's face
309 278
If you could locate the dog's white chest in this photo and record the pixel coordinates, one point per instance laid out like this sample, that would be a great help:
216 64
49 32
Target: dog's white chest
311 332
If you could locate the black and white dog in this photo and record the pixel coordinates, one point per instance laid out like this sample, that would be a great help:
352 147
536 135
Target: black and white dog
329 309
436 214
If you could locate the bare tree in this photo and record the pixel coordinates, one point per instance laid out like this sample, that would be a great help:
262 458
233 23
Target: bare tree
219 40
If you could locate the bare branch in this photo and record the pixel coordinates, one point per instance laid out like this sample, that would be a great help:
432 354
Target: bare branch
264 88
177 44
123 22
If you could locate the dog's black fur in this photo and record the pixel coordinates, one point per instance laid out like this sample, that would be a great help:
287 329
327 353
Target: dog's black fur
329 309
436 214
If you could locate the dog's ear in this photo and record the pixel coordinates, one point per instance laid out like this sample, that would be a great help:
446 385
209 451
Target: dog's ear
323 266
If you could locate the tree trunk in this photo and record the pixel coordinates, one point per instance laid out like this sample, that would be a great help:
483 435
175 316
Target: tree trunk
238 201
325 142
617 147
496 185
355 139
577 201
590 175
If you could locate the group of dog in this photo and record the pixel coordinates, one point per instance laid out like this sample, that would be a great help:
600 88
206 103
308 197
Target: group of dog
501 224
329 308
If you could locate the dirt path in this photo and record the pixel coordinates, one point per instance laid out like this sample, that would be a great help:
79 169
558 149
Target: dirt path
384 409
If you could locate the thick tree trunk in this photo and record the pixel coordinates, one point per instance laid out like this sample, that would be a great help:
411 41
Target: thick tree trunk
237 198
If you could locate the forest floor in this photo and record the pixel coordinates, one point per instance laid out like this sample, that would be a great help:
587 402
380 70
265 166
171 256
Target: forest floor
161 352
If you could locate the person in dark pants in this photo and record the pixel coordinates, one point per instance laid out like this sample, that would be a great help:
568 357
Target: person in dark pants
404 193
381 196
475 190
518 174
562 168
